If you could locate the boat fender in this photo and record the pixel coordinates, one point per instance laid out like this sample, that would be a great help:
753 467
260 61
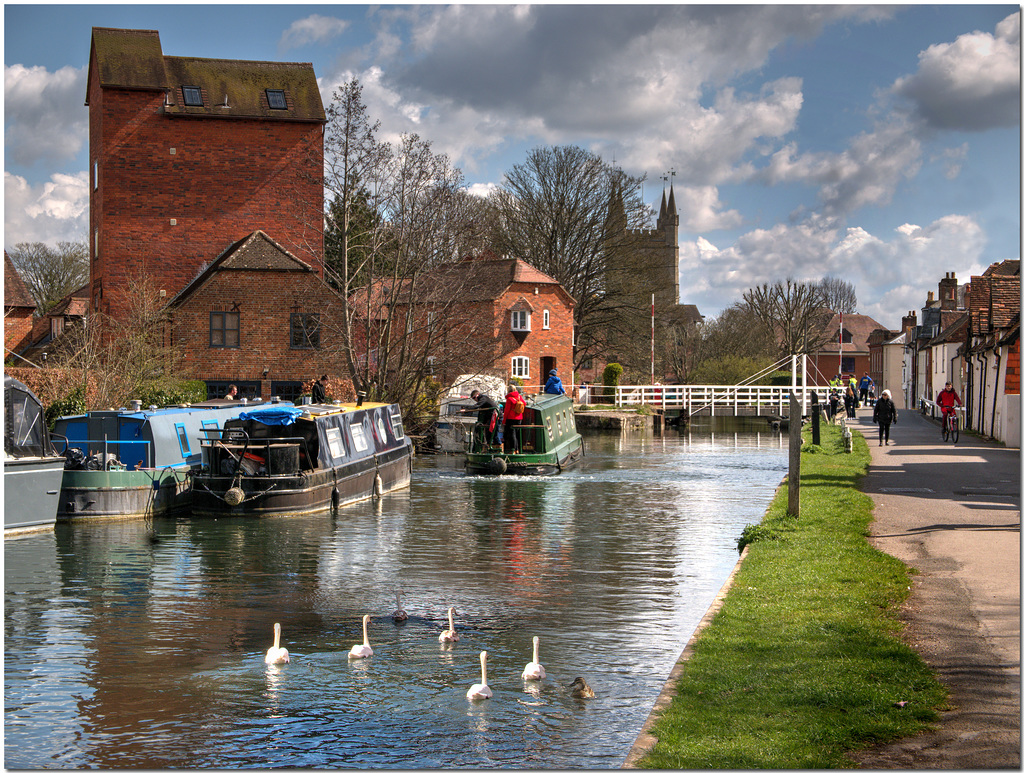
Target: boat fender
497 465
378 486
335 500
234 496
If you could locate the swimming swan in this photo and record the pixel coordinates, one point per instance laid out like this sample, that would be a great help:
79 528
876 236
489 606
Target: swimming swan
450 634
478 691
276 654
363 650
534 670
399 615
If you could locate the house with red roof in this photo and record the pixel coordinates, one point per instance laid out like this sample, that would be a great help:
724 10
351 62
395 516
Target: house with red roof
18 309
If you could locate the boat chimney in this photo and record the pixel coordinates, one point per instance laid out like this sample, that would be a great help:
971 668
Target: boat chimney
360 396
275 399
136 405
244 401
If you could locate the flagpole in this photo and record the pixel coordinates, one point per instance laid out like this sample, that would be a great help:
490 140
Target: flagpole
652 339
840 371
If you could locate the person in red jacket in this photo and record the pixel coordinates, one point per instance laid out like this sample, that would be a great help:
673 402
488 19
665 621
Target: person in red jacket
515 406
947 398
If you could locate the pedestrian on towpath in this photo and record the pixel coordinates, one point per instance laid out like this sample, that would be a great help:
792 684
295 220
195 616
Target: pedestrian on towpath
885 414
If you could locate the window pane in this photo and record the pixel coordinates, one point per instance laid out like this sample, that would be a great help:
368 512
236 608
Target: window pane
192 96
275 98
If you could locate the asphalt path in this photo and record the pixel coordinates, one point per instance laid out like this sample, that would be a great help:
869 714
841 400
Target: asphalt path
952 512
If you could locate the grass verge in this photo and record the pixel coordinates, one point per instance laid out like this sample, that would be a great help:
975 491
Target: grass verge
804 661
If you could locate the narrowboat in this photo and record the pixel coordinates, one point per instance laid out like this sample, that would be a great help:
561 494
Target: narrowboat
134 462
453 429
307 459
549 442
33 470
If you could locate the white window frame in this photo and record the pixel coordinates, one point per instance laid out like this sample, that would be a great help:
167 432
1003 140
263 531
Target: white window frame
521 367
520 320
547 319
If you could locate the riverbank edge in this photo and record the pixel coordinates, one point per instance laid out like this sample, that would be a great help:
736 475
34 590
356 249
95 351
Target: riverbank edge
645 741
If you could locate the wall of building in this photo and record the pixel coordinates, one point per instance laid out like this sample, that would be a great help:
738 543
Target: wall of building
17 327
554 342
265 301
170 194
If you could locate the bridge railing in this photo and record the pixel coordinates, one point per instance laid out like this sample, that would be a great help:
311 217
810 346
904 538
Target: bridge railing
711 399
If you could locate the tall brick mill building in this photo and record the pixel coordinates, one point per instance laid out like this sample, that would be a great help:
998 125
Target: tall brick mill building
189 156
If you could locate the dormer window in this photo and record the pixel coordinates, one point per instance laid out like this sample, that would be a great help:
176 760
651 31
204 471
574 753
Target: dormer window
521 320
192 96
276 100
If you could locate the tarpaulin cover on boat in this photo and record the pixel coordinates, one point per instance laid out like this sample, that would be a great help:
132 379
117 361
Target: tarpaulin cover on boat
280 417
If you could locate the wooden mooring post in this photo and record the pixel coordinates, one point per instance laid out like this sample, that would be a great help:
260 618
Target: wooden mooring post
795 420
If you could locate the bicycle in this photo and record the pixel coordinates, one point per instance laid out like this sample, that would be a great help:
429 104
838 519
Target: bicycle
951 425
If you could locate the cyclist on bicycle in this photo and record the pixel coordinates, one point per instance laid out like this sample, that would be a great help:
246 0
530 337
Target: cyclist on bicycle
946 399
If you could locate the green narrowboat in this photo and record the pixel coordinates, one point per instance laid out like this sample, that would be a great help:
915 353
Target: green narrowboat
548 442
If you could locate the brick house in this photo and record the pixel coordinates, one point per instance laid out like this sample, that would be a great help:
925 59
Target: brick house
254 318
484 315
189 154
826 362
18 309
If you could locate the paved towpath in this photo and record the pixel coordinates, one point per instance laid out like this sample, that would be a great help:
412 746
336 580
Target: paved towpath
952 512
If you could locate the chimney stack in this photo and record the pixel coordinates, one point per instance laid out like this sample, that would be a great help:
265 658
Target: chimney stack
909 321
947 292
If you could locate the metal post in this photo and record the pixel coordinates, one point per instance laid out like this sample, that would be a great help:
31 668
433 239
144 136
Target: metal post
815 419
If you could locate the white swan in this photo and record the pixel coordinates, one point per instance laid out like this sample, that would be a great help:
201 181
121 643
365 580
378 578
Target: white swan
399 615
481 690
363 650
276 654
534 670
450 634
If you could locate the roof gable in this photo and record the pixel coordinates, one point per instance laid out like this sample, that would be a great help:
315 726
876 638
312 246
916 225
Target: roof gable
16 293
255 252
127 59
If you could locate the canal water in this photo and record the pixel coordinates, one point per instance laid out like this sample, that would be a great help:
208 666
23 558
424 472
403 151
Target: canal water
140 644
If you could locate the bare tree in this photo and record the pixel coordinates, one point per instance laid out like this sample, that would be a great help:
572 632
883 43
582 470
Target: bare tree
566 212
838 295
51 272
795 312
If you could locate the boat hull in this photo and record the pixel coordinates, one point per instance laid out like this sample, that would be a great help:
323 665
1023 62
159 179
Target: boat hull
551 463
89 494
312 491
31 492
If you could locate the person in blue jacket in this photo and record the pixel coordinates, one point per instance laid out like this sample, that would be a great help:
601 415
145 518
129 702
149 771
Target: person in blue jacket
554 384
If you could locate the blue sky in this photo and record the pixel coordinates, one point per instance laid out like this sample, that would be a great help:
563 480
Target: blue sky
878 144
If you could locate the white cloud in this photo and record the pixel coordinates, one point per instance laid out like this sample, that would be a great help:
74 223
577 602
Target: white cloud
701 210
890 275
44 116
971 84
312 29
57 210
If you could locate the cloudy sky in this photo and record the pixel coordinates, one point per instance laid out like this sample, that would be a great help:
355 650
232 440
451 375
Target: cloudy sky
878 144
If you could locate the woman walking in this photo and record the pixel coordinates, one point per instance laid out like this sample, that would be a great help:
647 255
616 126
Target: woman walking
885 414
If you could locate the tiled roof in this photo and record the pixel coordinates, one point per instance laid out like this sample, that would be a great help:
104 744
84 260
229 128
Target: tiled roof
16 294
1005 268
255 252
860 326
133 59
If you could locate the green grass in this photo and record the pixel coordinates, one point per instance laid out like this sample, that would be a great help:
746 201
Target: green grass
804 661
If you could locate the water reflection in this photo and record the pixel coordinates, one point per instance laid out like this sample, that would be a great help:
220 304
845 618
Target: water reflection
141 643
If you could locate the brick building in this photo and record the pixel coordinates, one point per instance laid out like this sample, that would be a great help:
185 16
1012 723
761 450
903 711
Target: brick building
18 310
188 155
852 357
254 318
484 315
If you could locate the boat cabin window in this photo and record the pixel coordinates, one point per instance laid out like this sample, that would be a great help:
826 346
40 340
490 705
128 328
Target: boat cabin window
558 420
182 439
24 424
396 426
334 442
383 432
551 435
359 438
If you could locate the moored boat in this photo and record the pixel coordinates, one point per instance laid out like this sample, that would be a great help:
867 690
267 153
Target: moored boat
135 462
453 428
548 442
33 470
311 459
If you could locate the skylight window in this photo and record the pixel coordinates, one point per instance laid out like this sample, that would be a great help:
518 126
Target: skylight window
192 96
276 100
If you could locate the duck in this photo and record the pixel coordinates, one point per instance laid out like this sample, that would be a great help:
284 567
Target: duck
534 670
480 691
276 654
449 635
363 650
580 689
399 615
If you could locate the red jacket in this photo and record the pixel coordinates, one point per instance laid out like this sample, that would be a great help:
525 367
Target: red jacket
515 406
946 399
